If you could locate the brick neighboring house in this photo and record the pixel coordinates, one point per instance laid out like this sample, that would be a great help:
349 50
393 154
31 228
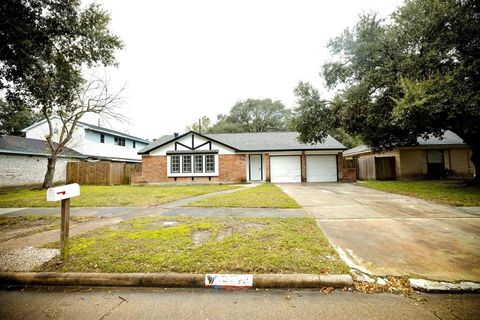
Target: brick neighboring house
23 162
447 156
239 157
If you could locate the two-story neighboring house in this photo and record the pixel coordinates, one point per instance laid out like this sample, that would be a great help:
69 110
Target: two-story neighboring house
93 141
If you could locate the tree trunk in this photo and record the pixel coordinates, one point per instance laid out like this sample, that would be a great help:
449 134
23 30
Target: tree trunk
48 180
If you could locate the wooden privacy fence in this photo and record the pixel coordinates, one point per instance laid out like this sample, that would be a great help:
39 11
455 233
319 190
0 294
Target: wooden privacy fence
100 173
376 168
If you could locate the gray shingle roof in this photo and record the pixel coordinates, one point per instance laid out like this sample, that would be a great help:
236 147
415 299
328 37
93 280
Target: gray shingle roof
258 141
272 141
21 145
113 132
448 138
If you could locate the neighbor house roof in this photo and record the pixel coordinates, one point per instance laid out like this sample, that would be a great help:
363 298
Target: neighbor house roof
34 147
92 127
448 138
255 141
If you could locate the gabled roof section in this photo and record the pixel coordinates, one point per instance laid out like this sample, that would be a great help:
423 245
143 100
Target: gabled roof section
166 139
25 146
92 128
448 138
253 142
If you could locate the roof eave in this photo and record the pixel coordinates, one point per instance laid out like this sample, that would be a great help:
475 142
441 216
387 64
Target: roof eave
41 154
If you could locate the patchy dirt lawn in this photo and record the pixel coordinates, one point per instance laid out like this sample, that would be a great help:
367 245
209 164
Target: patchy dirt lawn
22 226
201 245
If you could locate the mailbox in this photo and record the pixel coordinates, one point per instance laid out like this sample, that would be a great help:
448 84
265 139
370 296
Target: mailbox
63 192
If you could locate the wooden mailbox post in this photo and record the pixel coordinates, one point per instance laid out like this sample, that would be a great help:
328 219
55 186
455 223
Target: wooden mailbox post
64 193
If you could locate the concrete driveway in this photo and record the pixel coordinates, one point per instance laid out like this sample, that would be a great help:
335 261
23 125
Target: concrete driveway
387 234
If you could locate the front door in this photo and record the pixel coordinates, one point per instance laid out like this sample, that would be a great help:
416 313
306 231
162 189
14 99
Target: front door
256 167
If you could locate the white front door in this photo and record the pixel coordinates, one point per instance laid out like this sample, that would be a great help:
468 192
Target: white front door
256 167
285 169
322 168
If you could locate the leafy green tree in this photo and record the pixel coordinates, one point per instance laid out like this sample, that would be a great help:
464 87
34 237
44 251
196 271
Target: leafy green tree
202 126
15 118
254 115
44 46
414 75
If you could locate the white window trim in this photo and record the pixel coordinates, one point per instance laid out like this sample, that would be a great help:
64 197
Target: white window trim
193 173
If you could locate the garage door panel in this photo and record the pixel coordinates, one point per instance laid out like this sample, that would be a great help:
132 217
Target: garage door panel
285 169
321 168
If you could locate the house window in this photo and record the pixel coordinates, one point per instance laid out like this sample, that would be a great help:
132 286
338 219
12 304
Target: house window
175 164
102 138
134 144
187 164
198 163
119 141
209 163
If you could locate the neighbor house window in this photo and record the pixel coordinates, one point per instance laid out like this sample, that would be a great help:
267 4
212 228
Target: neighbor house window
119 141
134 144
175 164
209 163
187 164
102 138
198 163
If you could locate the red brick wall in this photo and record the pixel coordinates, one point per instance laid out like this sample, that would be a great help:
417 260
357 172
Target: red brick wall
340 166
154 169
303 160
232 168
267 167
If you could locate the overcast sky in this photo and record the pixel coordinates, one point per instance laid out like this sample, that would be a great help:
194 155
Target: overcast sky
186 59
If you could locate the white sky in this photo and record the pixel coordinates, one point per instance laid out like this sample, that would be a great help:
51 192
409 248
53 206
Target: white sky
185 59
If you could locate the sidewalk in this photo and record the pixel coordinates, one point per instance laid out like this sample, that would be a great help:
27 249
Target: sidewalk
134 303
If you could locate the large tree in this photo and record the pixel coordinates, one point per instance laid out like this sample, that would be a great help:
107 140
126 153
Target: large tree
413 75
45 46
254 115
14 118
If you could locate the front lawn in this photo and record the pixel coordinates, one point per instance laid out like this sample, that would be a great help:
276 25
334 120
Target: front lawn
203 245
448 192
266 195
110 196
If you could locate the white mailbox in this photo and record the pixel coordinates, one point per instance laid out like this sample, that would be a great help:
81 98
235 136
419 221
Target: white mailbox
63 192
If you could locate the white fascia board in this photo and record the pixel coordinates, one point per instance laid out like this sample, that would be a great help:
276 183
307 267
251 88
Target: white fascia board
39 154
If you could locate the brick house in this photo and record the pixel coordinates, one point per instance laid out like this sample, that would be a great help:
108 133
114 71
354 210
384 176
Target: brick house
433 157
23 162
239 157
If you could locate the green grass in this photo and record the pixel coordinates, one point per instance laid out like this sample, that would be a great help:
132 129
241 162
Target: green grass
263 196
253 245
450 192
110 196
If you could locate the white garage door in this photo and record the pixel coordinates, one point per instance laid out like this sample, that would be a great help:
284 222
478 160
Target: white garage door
321 168
285 169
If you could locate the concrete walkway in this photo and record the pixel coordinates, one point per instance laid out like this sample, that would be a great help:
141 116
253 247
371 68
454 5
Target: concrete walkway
388 234
134 303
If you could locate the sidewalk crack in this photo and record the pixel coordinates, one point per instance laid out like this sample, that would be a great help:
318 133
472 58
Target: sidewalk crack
115 307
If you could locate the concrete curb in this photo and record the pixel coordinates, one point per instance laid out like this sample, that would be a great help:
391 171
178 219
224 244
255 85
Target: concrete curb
444 287
179 280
